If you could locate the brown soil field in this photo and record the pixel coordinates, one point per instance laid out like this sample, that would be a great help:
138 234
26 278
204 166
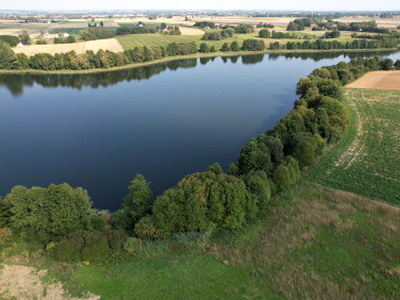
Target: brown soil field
107 44
191 31
381 80
21 282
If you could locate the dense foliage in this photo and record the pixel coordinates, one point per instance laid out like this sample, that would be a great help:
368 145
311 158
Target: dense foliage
205 24
203 201
321 44
9 39
96 34
134 30
58 210
299 24
218 35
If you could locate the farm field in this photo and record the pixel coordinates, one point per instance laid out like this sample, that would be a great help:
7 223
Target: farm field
80 47
139 40
389 80
366 161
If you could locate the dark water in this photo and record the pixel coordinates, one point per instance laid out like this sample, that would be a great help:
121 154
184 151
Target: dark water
164 121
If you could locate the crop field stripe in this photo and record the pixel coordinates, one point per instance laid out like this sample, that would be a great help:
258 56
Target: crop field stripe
366 161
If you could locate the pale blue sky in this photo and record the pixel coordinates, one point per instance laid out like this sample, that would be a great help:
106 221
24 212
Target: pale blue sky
203 4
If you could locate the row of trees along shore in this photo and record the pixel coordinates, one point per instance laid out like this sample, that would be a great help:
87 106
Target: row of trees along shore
107 59
62 219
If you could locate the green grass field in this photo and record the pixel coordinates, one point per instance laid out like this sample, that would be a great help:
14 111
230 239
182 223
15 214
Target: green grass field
139 40
312 242
366 161
315 242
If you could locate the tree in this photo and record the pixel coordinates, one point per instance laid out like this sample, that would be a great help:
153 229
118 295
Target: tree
24 37
397 64
225 47
235 46
5 213
204 48
264 33
138 202
101 24
281 177
163 25
386 64
7 56
58 210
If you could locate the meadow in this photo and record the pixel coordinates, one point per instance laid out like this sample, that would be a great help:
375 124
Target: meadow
366 160
312 242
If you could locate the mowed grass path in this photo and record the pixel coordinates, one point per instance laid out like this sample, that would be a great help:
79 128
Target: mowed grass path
366 161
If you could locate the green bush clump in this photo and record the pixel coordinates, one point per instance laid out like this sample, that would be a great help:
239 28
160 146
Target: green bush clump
96 248
200 199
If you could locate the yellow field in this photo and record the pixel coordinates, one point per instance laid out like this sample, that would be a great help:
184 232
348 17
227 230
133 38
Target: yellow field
108 44
387 80
191 31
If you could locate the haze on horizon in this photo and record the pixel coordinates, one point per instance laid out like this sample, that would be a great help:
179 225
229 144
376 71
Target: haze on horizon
338 5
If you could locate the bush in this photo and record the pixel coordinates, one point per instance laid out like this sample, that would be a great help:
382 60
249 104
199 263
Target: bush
115 239
281 177
68 249
132 245
145 229
264 33
258 184
96 248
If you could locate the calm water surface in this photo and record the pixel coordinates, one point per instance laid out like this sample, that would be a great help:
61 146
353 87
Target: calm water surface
165 121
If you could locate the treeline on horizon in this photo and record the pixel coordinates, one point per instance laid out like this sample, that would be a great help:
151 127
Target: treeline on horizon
62 220
107 59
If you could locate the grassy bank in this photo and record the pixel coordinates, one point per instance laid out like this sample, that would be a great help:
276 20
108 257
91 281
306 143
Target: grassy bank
366 160
313 242
190 56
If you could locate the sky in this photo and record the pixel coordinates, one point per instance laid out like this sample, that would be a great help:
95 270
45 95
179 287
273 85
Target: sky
291 5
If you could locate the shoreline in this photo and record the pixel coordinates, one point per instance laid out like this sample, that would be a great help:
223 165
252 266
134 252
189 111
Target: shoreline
180 57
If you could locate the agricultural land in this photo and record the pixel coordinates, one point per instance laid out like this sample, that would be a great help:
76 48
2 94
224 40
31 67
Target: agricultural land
366 160
80 47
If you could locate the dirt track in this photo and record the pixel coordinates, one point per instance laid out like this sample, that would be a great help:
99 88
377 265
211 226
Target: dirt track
107 44
381 80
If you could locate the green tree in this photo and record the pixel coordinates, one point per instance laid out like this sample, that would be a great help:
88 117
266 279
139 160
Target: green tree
7 56
5 213
204 48
138 202
264 33
235 46
58 210
225 47
24 37
68 209
281 177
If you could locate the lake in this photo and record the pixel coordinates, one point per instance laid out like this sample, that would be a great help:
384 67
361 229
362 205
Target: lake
163 121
